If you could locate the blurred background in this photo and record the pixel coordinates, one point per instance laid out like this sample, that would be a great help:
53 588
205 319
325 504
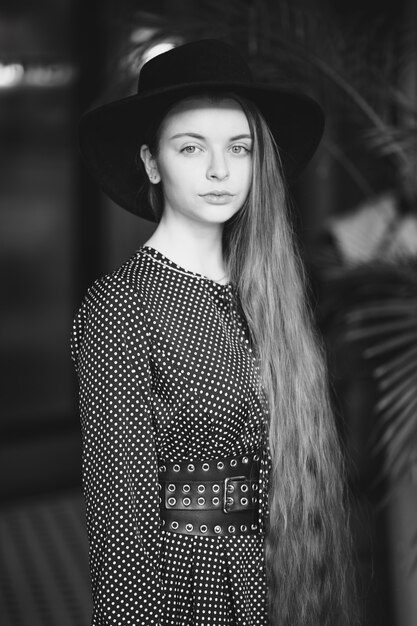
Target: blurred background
355 211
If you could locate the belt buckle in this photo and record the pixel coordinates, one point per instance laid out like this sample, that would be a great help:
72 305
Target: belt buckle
226 481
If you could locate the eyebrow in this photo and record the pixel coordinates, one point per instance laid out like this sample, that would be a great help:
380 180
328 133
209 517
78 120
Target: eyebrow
201 137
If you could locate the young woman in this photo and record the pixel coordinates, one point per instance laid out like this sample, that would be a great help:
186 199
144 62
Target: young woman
212 471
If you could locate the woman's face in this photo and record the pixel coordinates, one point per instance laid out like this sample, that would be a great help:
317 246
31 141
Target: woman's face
204 160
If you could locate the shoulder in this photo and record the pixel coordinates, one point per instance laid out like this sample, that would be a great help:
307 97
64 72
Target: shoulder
118 299
114 308
123 289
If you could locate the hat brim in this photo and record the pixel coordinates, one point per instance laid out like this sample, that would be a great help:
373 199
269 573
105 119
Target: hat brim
111 135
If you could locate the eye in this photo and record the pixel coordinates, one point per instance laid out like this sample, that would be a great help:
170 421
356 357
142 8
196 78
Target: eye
189 149
240 149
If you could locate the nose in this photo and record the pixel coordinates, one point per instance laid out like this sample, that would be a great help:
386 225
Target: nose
217 168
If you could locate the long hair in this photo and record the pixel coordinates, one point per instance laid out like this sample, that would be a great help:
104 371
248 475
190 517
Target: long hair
308 539
307 543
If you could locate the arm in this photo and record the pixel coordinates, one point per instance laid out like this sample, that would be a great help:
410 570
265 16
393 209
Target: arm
111 354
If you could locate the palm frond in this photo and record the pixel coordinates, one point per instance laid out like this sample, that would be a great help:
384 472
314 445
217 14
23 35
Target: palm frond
387 380
408 357
387 328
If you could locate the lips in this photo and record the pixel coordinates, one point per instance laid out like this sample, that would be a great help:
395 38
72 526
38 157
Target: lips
217 193
217 197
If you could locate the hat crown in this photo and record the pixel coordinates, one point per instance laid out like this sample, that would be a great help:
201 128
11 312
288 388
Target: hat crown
207 61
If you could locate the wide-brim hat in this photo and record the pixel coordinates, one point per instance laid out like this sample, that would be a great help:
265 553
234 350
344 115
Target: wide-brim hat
111 135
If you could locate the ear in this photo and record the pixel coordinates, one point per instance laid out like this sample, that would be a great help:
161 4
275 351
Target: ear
150 164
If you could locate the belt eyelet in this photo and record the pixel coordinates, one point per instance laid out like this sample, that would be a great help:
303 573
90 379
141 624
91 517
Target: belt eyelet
215 488
172 501
162 468
189 528
201 488
203 528
244 528
233 463
244 488
230 488
231 529
244 501
191 467
186 501
220 465
171 487
201 501
215 501
217 529
174 525
186 488
205 467
175 467
245 460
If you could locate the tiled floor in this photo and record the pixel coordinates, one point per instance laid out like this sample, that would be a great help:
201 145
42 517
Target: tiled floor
44 577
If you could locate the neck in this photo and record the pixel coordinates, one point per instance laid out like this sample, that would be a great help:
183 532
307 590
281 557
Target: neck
196 247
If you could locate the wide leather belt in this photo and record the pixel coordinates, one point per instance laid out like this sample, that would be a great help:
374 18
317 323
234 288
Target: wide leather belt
212 498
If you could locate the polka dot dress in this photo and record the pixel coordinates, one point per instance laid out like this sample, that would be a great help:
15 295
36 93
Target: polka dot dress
166 371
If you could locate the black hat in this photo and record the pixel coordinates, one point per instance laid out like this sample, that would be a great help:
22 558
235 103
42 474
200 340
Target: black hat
111 135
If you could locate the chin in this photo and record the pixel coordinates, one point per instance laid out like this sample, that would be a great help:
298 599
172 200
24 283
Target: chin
221 215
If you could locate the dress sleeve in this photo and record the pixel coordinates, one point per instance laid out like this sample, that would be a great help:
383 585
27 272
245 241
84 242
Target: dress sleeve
110 348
